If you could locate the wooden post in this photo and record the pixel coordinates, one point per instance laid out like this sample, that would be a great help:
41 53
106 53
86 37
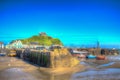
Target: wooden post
48 64
40 58
52 60
32 57
38 62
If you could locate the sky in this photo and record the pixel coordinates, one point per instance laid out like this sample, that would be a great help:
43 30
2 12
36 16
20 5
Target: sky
74 22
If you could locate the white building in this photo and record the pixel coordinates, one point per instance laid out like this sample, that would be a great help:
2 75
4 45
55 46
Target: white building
1 45
15 44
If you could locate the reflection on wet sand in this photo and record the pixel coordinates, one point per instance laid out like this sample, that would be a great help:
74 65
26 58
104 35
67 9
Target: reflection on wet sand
60 77
102 74
96 70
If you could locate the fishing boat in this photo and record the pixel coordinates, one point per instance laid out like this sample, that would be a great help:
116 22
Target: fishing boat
81 56
2 54
90 56
12 53
101 57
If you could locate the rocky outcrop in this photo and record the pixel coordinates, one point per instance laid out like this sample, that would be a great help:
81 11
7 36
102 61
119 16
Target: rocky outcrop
56 61
62 58
61 61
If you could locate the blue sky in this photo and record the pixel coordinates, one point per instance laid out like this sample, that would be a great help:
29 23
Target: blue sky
73 21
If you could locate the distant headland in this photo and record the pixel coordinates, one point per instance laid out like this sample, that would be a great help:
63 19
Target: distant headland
42 39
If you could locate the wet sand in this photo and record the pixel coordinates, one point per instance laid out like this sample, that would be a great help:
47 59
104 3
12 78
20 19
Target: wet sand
12 68
63 70
15 69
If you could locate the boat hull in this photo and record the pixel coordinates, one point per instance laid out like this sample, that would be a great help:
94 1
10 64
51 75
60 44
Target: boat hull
101 58
91 57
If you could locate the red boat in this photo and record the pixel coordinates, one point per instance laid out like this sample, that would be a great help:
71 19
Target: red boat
101 57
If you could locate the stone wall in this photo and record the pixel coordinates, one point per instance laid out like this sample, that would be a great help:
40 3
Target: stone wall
51 59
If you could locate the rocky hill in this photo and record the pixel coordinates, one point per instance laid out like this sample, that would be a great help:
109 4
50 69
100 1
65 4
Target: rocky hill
42 40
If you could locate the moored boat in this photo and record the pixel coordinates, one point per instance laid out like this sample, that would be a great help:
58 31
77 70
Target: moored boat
101 57
82 56
2 54
90 56
12 53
